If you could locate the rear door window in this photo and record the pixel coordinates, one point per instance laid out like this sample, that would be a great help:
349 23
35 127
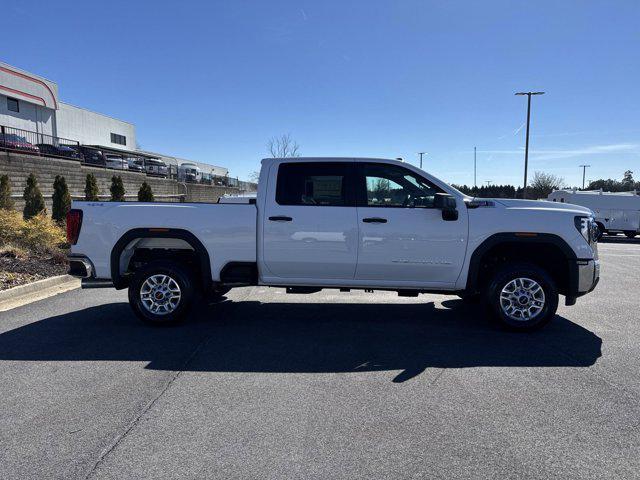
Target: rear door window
315 184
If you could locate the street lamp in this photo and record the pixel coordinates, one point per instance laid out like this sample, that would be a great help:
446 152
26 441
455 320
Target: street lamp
584 171
526 148
474 168
421 154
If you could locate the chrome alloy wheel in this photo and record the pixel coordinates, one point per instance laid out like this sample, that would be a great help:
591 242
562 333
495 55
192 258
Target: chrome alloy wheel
160 294
522 299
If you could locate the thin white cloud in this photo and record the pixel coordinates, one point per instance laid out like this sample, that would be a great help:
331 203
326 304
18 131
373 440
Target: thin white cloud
556 154
517 130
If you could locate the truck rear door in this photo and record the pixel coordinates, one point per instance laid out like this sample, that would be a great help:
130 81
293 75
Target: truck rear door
310 226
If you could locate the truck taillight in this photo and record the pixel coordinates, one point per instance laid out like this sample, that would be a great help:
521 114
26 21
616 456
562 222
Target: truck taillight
74 223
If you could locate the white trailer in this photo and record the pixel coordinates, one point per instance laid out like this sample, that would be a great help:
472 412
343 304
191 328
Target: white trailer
614 211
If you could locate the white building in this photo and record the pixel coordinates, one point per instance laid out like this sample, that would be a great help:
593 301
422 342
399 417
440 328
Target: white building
31 103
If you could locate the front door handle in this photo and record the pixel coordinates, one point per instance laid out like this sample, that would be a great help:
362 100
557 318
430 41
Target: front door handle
374 220
280 219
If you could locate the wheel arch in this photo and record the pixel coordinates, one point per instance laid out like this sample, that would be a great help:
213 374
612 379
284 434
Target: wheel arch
536 243
120 280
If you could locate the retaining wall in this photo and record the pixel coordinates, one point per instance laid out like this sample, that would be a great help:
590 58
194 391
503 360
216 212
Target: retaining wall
18 166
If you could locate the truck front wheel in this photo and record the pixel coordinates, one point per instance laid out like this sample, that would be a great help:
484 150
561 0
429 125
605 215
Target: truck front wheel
521 296
161 293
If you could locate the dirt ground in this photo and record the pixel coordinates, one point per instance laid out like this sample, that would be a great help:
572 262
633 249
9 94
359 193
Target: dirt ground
18 270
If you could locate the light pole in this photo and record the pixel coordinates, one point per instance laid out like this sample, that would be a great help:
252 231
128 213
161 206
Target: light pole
489 183
584 172
526 147
474 168
421 154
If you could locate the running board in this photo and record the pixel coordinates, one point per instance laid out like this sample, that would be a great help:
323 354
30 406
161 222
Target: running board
96 283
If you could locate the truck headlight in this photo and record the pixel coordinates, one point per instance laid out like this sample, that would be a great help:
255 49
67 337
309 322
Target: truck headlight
587 228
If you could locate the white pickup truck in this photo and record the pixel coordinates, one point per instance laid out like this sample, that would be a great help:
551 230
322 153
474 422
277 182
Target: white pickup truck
340 223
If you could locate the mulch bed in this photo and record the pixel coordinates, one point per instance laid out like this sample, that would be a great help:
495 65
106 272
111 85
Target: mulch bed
19 271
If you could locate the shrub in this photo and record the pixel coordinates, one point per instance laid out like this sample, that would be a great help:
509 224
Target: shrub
6 202
34 202
117 189
145 194
37 234
91 188
61 199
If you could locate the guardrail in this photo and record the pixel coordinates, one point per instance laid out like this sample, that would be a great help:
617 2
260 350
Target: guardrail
26 141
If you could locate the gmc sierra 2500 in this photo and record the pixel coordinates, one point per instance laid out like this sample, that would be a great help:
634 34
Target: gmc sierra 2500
340 223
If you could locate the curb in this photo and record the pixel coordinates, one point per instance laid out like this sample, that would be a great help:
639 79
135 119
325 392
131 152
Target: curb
23 294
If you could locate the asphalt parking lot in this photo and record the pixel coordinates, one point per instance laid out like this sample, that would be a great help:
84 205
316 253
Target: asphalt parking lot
329 385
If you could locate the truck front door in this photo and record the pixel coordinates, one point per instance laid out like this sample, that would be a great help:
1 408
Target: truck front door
403 238
311 229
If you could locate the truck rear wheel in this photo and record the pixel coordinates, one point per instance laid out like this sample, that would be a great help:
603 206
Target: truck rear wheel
161 293
521 296
630 233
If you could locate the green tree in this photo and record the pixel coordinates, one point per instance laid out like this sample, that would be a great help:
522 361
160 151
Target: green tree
33 200
543 184
61 199
6 202
117 189
145 194
91 188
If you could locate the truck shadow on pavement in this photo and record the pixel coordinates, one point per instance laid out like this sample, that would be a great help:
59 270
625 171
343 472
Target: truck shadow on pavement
303 338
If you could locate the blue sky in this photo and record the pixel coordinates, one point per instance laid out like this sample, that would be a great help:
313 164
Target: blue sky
213 81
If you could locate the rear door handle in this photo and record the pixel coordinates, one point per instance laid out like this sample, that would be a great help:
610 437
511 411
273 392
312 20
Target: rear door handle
280 219
374 220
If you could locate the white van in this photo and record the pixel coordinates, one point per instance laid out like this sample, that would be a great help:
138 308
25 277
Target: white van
614 211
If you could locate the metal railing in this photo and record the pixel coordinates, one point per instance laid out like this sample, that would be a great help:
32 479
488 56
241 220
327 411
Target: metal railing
35 143
19 140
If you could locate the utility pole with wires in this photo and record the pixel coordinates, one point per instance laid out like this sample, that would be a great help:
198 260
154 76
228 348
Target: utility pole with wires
526 147
421 154
584 172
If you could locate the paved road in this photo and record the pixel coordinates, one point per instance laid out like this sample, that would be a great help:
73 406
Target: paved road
330 385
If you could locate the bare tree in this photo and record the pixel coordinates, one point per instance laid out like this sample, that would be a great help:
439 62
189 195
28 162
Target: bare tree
283 146
545 183
254 176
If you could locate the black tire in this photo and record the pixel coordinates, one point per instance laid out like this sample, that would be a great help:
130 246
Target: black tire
180 275
502 278
630 234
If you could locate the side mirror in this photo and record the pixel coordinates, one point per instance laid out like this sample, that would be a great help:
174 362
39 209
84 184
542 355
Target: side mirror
446 203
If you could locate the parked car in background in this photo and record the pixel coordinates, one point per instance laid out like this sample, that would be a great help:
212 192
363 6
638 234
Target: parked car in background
135 165
60 151
116 162
92 156
16 142
156 168
189 172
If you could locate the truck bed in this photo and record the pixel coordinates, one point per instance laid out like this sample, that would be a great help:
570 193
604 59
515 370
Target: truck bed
227 231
